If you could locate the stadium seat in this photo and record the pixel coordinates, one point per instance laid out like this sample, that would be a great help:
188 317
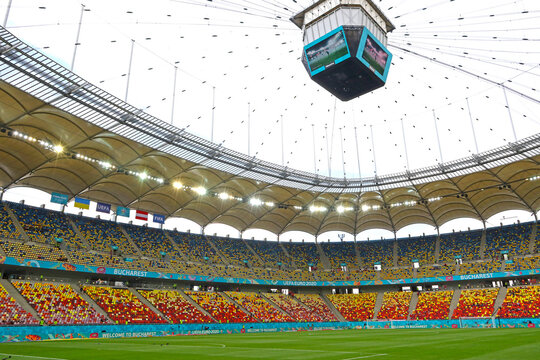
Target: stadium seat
294 308
513 239
173 305
258 307
45 226
122 306
521 302
12 313
317 305
476 303
433 305
103 235
220 308
340 253
395 306
355 307
59 304
416 248
463 244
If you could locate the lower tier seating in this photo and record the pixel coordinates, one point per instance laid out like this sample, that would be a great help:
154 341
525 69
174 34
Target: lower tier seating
521 302
173 305
122 306
433 306
12 313
294 308
476 303
220 308
355 307
59 304
395 306
258 307
317 305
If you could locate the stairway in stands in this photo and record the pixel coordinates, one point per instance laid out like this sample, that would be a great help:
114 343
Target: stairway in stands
15 294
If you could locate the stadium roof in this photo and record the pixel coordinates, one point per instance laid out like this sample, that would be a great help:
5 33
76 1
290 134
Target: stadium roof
60 133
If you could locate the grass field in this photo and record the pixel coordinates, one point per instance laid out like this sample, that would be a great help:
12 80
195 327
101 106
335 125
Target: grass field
507 344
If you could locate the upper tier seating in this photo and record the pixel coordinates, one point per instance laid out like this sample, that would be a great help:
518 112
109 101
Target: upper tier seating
397 273
524 263
476 303
45 226
512 238
302 254
22 251
521 302
435 271
480 267
122 306
59 304
355 307
433 305
395 306
103 235
7 228
270 252
235 251
317 306
294 308
12 313
152 242
220 308
195 247
340 253
464 244
94 247
416 248
376 251
177 309
258 307
95 259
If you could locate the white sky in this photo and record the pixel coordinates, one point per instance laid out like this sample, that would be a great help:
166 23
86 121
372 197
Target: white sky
252 56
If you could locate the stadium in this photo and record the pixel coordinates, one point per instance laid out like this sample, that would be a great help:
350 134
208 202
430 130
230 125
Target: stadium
252 179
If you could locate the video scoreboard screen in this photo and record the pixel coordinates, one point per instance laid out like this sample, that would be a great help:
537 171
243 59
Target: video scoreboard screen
374 55
326 51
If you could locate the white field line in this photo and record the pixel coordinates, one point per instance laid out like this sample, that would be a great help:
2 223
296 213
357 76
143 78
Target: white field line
32 357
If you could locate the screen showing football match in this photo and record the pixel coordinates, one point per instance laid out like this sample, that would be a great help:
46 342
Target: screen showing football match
327 51
375 55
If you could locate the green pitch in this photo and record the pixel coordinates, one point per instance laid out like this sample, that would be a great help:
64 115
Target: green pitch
492 344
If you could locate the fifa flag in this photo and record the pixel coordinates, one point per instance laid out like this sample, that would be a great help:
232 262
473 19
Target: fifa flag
160 219
82 203
103 207
122 211
141 215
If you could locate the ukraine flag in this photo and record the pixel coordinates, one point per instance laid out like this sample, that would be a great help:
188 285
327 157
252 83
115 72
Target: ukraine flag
82 203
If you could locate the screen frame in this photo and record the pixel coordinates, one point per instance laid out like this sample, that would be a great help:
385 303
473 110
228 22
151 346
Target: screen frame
322 38
360 52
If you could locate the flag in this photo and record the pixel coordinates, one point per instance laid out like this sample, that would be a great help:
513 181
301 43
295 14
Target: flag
59 198
160 219
82 203
141 215
103 207
122 211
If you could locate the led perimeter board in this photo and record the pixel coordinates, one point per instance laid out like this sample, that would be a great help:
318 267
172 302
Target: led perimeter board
348 62
326 51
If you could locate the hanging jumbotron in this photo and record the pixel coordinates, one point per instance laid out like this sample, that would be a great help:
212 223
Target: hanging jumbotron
345 46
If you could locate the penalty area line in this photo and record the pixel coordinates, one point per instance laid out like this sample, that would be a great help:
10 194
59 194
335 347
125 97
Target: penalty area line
32 356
